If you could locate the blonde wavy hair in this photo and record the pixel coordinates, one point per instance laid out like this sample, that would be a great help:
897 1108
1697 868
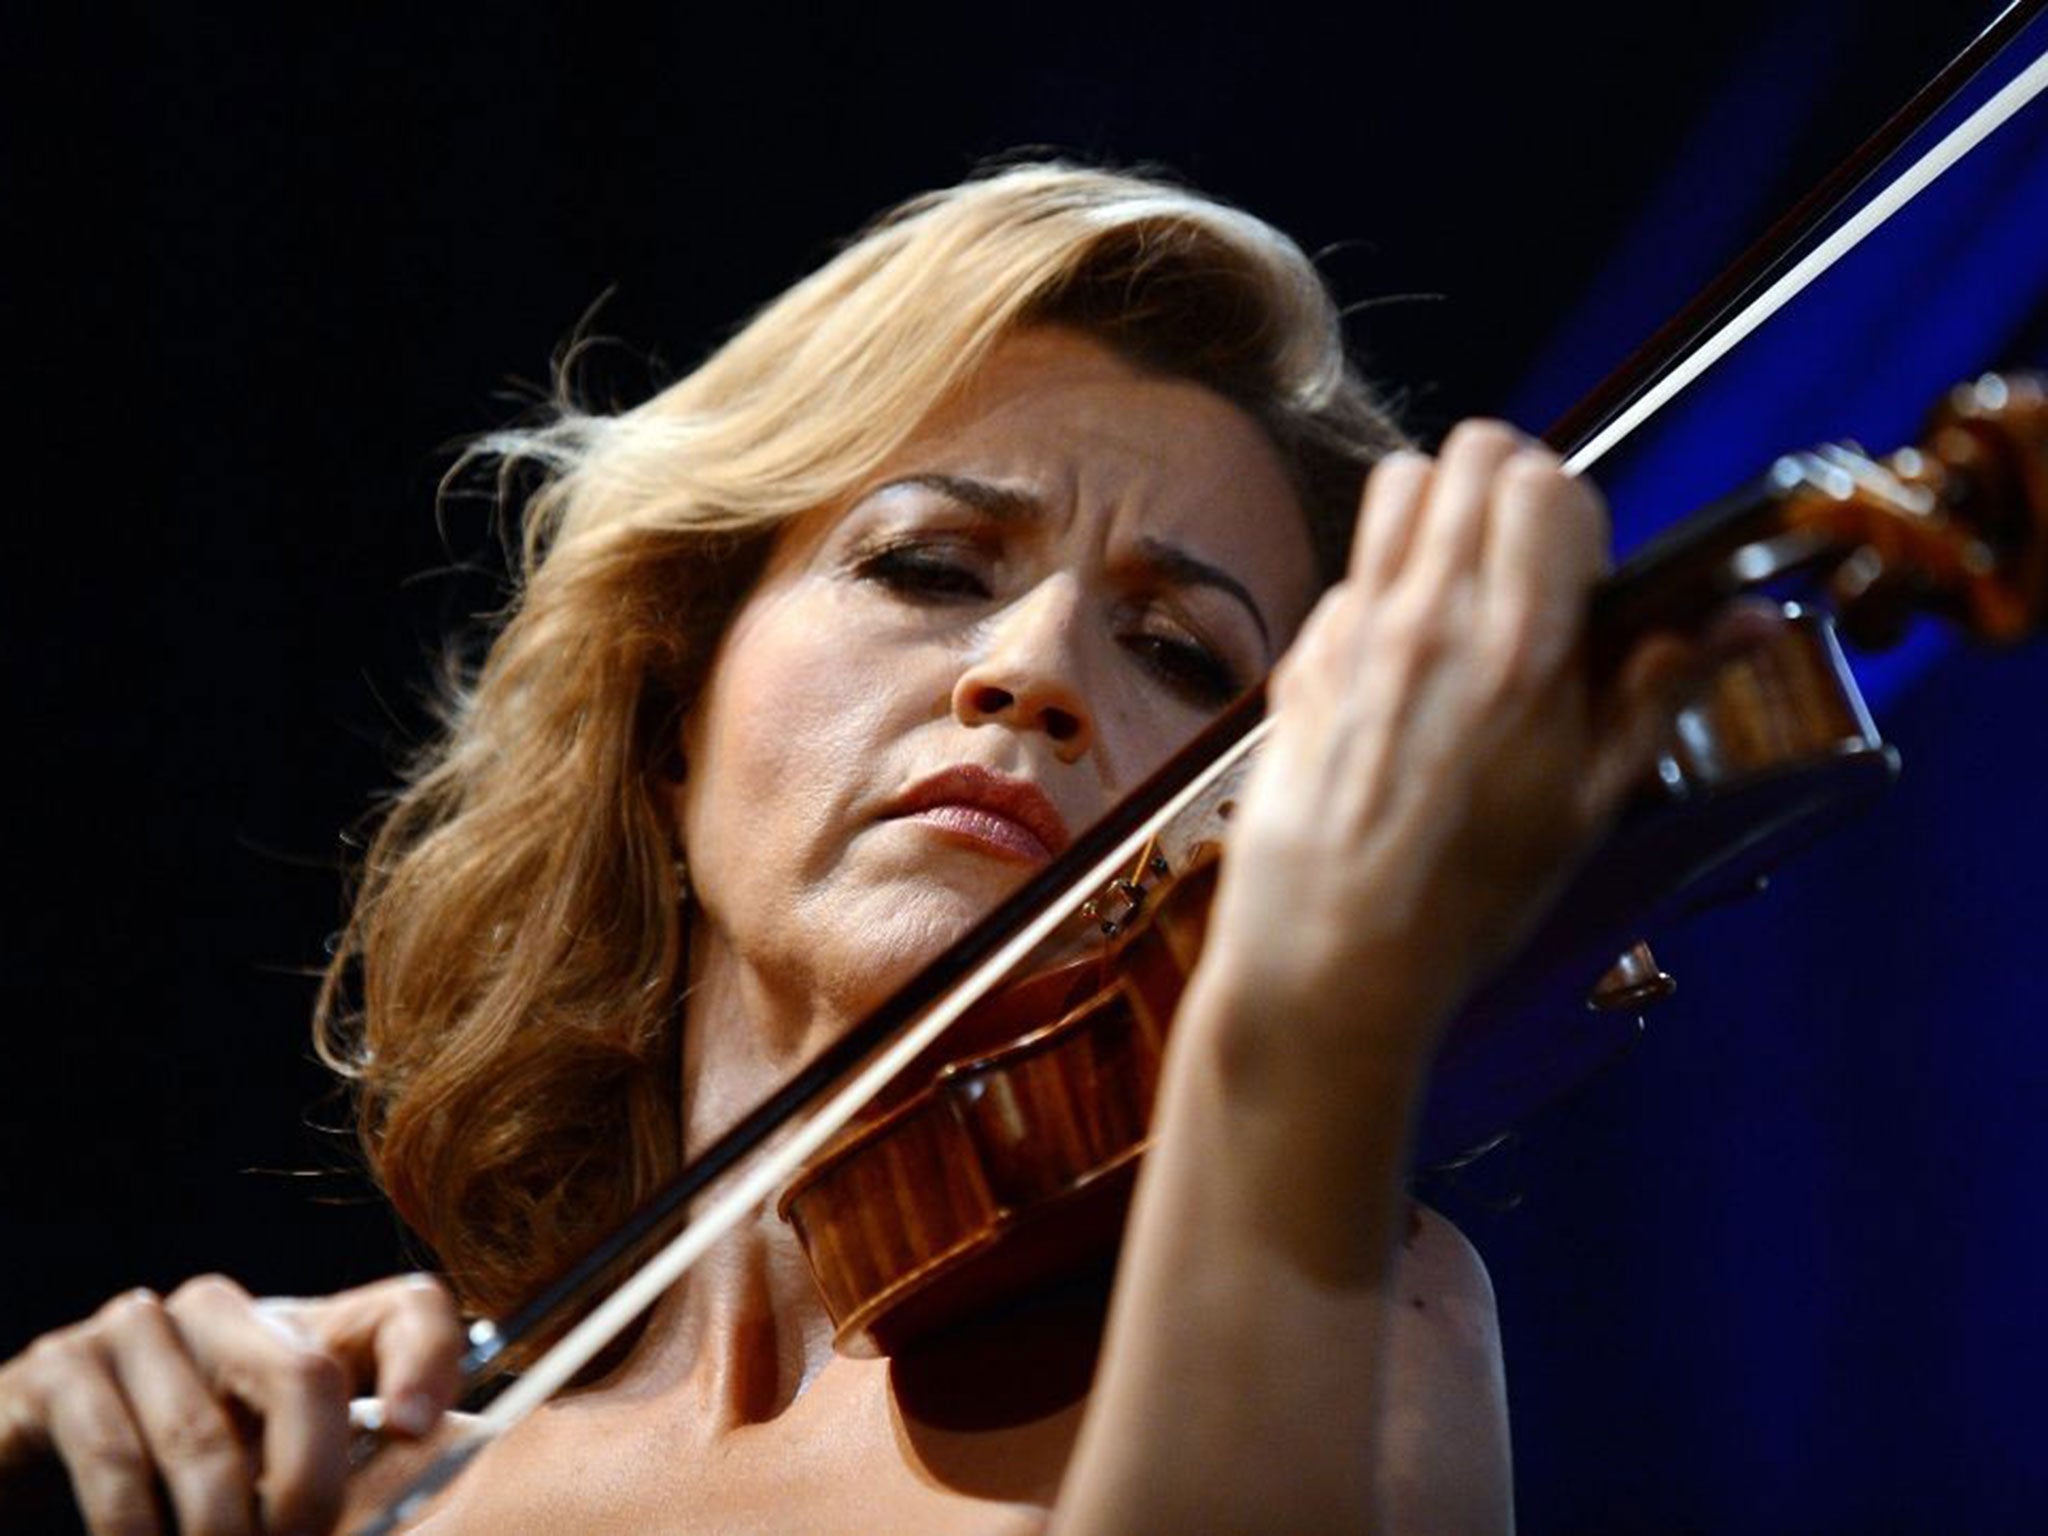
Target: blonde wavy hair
506 994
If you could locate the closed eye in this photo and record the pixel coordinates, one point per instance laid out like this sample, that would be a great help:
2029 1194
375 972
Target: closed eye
1187 667
923 571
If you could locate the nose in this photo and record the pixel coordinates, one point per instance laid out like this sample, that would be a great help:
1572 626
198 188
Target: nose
1026 677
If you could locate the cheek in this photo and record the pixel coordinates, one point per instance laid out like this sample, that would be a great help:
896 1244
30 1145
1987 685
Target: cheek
807 726
1140 728
783 742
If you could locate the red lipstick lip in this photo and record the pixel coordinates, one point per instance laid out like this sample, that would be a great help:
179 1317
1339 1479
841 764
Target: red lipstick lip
975 788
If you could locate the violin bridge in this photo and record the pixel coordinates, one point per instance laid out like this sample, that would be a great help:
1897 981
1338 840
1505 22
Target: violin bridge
1123 899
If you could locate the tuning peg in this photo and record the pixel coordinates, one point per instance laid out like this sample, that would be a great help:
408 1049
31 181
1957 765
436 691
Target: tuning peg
1632 983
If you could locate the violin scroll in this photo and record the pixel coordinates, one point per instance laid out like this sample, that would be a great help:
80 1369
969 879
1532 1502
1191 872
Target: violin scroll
1957 526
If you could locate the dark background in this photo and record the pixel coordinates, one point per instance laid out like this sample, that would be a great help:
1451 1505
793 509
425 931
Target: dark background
1780 1271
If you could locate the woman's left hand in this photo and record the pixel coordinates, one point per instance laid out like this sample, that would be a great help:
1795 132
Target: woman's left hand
1440 756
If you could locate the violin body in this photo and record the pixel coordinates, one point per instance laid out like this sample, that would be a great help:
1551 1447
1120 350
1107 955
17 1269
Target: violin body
1015 1165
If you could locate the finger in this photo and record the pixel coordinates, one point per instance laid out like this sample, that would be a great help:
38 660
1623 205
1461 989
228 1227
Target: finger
197 1452
96 1437
402 1334
1387 516
299 1392
1743 625
1326 639
1545 547
1452 530
1661 673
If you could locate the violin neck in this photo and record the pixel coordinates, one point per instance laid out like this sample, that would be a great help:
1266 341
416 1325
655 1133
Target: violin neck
1682 575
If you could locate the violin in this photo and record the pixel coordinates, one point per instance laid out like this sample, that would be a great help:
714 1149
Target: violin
931 1208
1013 1161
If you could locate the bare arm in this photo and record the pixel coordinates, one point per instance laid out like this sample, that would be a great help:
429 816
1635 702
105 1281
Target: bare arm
1262 1376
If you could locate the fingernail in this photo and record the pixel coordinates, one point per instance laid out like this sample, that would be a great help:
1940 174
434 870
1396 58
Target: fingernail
414 1413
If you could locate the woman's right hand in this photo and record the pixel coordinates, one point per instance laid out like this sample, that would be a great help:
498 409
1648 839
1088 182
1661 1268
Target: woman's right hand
236 1407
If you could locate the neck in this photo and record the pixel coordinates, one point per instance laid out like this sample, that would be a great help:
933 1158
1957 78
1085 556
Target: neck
746 1329
741 1338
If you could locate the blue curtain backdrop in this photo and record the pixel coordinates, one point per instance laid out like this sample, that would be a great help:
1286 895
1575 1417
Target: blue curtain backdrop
1783 1269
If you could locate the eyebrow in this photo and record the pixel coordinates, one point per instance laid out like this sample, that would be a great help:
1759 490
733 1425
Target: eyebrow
1006 504
1184 569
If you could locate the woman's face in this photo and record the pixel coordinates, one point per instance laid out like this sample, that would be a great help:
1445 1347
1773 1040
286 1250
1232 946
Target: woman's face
1065 574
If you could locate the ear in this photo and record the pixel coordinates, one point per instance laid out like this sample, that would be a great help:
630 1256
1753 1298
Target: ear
671 770
667 795
663 784
671 776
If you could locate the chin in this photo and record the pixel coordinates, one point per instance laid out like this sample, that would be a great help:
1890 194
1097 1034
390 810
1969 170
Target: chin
905 927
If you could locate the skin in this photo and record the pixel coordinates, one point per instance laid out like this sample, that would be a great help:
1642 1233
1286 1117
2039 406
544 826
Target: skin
1290 1345
1069 674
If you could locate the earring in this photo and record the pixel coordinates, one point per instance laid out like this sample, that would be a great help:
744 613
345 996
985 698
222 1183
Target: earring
682 869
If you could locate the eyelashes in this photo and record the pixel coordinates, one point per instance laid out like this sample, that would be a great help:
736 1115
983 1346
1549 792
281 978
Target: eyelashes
926 572
1187 667
920 569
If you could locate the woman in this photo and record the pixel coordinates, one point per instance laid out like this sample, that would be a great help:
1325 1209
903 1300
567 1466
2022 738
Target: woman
818 654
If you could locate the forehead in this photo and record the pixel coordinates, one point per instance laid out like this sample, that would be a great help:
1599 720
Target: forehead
1096 438
1075 406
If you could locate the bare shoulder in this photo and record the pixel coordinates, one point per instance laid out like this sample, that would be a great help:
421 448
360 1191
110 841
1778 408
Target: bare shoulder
1439 1270
1447 1448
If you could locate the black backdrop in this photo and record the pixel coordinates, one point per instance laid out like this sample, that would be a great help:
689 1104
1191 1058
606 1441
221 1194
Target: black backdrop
1778 1272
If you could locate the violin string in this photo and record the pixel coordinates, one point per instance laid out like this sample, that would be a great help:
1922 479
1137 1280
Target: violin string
1958 142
